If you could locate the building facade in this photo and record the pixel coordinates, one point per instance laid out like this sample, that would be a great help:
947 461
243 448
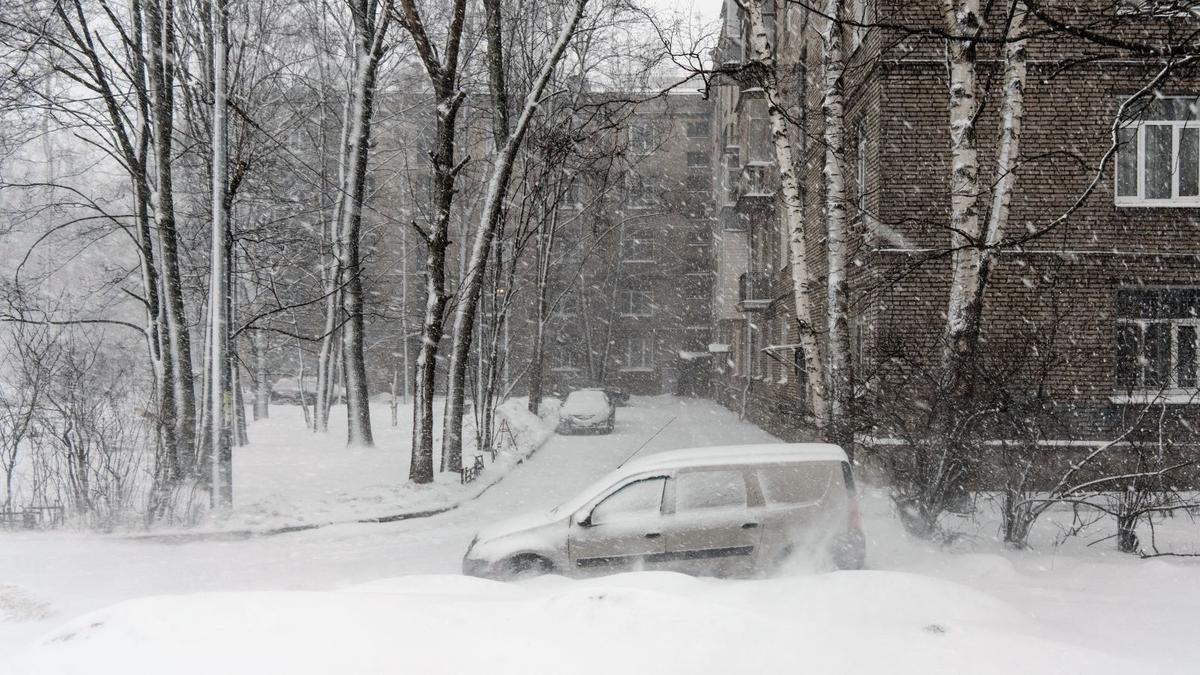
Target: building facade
1096 310
630 279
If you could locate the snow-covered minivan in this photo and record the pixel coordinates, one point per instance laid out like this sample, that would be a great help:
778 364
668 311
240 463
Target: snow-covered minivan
722 511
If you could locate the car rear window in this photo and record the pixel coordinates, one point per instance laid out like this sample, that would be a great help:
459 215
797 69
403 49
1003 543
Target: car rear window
591 400
798 483
702 490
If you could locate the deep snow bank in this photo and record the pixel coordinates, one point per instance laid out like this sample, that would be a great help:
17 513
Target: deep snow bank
846 622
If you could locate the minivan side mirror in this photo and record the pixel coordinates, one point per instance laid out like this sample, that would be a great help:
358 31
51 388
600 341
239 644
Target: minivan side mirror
583 519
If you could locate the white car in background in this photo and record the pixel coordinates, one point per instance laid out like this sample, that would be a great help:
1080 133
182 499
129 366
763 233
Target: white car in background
587 410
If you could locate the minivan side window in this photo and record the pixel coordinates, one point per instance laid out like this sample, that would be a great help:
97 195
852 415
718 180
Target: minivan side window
797 483
636 501
705 490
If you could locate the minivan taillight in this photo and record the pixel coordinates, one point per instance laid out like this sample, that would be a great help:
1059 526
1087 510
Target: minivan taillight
855 513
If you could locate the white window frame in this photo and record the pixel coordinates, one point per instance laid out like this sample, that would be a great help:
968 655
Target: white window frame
629 308
638 246
1171 386
1140 200
782 338
647 138
1152 9
561 365
645 353
647 191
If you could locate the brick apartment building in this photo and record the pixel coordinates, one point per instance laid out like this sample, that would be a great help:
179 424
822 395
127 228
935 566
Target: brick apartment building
1102 311
632 274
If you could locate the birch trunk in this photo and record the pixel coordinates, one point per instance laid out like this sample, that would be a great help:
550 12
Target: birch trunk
442 70
1012 113
472 285
962 21
160 29
837 242
371 22
802 286
219 282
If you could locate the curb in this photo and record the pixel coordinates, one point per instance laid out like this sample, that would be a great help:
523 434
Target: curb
243 535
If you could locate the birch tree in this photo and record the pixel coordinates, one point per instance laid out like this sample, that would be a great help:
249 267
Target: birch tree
763 60
371 20
963 24
837 239
442 67
493 209
220 385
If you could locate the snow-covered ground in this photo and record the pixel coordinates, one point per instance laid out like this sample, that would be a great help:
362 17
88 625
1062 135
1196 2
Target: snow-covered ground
386 597
288 476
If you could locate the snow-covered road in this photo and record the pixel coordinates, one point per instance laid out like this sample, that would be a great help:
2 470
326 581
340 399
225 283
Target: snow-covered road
55 577
922 609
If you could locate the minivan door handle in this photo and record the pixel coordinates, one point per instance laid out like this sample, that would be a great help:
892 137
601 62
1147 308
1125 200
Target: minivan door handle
749 526
653 535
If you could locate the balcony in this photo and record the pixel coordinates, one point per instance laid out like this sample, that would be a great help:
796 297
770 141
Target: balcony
754 291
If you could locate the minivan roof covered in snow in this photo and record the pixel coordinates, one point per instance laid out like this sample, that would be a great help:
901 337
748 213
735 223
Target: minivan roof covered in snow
761 453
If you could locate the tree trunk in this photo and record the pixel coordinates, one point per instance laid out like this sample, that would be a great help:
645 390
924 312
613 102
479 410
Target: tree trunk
262 377
837 241
222 394
962 330
969 310
493 212
161 27
794 211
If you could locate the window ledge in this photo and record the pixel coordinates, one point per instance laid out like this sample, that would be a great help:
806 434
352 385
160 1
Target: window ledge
1170 396
637 370
1156 204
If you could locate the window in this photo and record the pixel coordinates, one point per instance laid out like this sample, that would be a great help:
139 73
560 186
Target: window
1156 338
635 303
696 287
636 501
1159 8
643 138
697 160
639 353
1158 155
860 169
761 149
799 368
698 129
572 197
710 491
642 190
798 484
699 234
637 245
782 338
756 354
563 358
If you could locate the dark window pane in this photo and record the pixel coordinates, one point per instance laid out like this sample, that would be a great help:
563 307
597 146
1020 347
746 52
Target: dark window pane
1157 354
1127 163
1185 352
1128 351
1158 161
1189 162
798 364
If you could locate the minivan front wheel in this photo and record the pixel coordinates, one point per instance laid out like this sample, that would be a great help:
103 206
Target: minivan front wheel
522 567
